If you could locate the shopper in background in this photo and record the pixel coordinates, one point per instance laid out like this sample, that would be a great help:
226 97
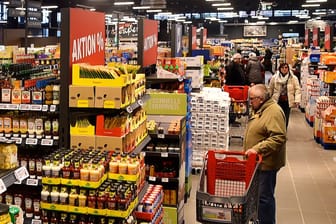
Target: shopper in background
285 89
266 135
254 70
235 74
267 60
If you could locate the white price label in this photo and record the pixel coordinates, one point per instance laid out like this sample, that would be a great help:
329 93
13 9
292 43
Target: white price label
143 154
2 186
13 106
165 180
3 139
21 173
164 154
31 141
24 107
36 221
140 102
151 178
45 108
129 109
161 136
52 108
3 106
32 182
48 142
36 107
17 140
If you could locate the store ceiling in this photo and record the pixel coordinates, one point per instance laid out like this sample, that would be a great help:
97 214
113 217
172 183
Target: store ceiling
184 6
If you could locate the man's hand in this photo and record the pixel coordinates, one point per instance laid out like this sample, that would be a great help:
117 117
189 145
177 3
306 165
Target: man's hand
250 151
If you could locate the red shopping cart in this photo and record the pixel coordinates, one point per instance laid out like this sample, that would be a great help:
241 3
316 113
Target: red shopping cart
239 110
229 188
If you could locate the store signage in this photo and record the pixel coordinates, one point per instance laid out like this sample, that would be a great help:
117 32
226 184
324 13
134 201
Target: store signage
316 38
128 30
327 37
166 103
194 38
306 40
87 45
204 34
148 42
177 40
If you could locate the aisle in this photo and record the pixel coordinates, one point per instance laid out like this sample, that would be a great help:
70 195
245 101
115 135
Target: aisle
306 189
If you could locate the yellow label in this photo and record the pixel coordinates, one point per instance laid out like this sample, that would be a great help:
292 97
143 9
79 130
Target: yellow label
82 103
109 104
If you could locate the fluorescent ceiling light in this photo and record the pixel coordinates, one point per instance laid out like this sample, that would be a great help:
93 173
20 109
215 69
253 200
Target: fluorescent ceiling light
154 10
310 5
315 1
123 3
221 4
225 8
187 22
222 21
293 21
164 13
273 23
20 8
319 13
261 22
6 3
141 7
49 7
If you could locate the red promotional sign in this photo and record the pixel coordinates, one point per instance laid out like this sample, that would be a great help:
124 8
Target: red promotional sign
327 37
306 40
194 38
87 37
205 34
316 36
150 42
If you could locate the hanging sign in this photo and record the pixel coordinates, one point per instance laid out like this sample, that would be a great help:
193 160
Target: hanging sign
306 40
194 38
316 38
327 37
87 44
147 42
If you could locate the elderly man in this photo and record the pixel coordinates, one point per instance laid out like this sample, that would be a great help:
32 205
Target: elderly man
266 135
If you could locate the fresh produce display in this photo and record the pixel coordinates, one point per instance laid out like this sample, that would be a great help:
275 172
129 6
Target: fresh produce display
112 71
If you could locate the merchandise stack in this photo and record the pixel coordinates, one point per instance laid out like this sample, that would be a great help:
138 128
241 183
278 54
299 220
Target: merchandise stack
209 123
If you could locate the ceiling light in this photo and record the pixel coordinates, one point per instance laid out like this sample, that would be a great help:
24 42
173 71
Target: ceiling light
141 7
221 4
49 7
123 3
187 22
261 22
225 8
164 13
154 10
273 23
6 3
315 1
319 13
222 21
310 5
293 21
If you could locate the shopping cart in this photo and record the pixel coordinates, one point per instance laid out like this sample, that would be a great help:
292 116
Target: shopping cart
239 110
229 188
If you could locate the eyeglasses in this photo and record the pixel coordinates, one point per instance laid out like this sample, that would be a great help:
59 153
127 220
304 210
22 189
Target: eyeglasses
285 67
253 98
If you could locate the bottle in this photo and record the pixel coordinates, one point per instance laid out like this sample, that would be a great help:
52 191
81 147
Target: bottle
56 94
48 94
47 128
16 93
23 126
16 126
6 92
25 96
55 128
39 127
7 123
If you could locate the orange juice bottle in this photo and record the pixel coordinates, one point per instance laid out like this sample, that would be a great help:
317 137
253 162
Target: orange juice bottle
16 93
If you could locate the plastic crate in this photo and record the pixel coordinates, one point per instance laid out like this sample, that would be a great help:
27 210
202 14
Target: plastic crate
229 188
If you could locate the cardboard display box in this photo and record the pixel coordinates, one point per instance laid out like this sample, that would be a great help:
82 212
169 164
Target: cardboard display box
81 96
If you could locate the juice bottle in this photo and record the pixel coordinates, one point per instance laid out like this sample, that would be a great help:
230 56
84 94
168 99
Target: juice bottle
23 126
16 93
6 92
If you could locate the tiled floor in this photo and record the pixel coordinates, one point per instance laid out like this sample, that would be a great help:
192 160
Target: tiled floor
306 187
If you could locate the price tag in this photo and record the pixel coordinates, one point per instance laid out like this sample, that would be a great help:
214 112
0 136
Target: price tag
2 186
164 154
21 173
18 182
13 106
151 178
24 107
140 102
36 107
48 142
52 108
161 136
3 139
45 108
143 154
32 182
17 140
31 141
36 221
3 106
129 109
164 179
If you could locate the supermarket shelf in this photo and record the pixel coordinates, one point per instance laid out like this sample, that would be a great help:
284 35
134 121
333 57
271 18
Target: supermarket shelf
29 107
164 136
9 177
142 145
137 104
24 141
162 154
162 179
